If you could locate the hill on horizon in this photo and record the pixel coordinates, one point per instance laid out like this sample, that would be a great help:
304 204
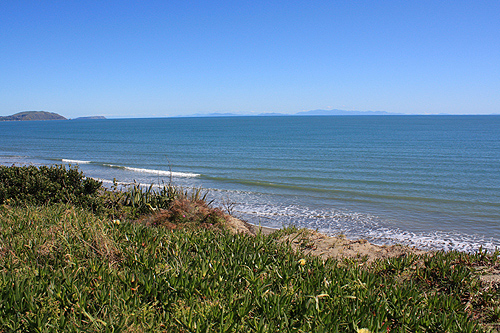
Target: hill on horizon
334 112
33 115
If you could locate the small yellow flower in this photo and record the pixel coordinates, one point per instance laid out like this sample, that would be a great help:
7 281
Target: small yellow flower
363 330
302 262
117 222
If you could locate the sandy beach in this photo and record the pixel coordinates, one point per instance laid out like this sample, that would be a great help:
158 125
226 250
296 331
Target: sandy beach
318 244
314 243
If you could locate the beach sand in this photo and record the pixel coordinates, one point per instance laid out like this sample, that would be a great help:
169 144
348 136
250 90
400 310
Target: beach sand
318 244
338 247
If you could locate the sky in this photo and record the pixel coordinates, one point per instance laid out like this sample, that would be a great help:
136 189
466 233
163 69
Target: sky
171 58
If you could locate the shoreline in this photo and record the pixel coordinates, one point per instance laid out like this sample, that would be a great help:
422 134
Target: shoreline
430 240
339 247
314 243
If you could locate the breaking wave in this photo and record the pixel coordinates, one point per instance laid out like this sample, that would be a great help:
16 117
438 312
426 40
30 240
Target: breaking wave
74 161
155 172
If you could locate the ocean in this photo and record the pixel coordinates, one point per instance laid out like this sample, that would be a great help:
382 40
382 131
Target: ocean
426 181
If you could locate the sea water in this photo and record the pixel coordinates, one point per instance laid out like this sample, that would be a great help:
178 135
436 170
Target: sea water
428 181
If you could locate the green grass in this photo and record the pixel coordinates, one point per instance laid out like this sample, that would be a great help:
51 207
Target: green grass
162 261
65 269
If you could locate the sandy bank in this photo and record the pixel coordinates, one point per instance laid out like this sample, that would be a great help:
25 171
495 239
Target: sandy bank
318 244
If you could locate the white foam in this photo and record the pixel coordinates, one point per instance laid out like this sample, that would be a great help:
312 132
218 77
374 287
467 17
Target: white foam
437 240
157 172
125 185
107 181
74 161
353 225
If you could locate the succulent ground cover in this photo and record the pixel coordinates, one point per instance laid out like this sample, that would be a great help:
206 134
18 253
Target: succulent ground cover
165 261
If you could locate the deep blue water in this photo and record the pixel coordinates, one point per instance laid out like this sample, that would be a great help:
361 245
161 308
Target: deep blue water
429 181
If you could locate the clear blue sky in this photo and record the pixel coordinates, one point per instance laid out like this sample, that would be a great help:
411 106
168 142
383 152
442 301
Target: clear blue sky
168 58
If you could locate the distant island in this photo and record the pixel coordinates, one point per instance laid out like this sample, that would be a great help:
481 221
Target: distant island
42 115
90 117
33 115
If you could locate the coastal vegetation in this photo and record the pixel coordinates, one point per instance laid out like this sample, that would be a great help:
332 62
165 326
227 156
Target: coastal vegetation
76 257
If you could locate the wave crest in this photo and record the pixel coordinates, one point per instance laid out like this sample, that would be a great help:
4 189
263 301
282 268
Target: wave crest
155 172
65 160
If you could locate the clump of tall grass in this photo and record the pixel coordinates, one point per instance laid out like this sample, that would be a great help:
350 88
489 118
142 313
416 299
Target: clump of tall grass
150 199
168 206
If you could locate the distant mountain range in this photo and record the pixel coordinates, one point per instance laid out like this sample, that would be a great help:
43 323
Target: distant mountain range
45 115
41 115
303 113
345 113
334 112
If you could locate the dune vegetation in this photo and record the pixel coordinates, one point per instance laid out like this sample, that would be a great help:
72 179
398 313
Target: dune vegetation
75 257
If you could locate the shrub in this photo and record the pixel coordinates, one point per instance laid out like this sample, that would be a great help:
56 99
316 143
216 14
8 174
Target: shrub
47 185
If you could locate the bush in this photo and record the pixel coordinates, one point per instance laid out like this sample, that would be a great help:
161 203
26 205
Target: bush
47 185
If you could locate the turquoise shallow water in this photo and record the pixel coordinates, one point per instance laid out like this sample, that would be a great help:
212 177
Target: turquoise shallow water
430 181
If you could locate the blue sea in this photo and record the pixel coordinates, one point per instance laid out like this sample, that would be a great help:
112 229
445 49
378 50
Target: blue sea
426 181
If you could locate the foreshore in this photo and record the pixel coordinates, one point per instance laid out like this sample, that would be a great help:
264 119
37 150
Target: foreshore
339 247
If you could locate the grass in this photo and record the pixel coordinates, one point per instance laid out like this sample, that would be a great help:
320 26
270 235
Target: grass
65 268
